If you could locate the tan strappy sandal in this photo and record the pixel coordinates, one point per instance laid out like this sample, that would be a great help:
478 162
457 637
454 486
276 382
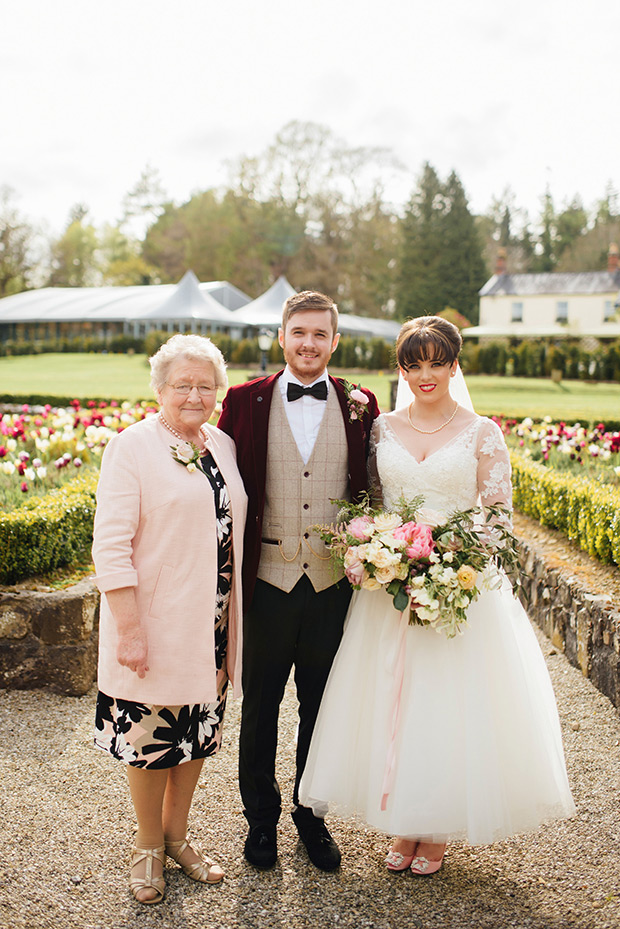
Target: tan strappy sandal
204 870
148 882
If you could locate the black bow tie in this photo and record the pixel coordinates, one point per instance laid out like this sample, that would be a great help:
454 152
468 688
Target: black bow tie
295 391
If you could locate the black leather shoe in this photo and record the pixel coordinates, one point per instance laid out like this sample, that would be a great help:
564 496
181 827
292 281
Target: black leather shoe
322 850
261 848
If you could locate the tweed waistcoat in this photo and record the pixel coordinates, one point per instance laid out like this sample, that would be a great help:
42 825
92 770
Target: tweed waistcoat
297 497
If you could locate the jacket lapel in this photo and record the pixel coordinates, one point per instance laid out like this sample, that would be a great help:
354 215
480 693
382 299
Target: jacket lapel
258 413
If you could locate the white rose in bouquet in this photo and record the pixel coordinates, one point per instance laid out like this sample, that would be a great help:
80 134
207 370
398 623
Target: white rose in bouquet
385 575
385 522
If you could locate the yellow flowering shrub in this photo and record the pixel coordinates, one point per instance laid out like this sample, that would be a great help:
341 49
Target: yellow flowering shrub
585 510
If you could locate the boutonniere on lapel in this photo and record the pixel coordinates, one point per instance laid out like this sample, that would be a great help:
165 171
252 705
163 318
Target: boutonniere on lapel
357 401
188 455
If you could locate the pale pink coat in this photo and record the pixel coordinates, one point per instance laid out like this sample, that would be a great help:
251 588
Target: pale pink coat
155 531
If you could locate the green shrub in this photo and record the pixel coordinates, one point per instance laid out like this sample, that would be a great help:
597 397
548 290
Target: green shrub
62 400
246 352
154 340
586 511
49 532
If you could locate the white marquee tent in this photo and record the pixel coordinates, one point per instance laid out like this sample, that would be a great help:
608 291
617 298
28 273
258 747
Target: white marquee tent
59 312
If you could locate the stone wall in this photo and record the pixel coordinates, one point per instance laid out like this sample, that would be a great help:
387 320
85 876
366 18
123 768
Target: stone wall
49 639
583 625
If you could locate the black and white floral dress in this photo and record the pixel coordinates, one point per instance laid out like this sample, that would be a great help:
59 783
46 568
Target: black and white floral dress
150 736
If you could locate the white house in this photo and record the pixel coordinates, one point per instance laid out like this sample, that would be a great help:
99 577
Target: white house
584 304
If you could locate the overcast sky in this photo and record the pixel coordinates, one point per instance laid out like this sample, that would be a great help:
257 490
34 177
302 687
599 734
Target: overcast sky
522 94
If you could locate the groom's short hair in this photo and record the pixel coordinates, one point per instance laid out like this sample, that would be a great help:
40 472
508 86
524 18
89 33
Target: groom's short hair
309 300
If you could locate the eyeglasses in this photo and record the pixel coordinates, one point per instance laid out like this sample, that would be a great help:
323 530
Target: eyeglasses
184 390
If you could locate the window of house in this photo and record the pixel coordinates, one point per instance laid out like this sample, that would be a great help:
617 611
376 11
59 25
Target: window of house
561 311
609 312
517 313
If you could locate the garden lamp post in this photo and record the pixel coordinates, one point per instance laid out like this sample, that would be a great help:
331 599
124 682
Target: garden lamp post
265 341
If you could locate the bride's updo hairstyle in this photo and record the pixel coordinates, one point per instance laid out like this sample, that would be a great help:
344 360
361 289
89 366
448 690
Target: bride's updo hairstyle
427 338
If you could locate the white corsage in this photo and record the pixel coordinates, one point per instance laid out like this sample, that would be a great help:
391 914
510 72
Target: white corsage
187 454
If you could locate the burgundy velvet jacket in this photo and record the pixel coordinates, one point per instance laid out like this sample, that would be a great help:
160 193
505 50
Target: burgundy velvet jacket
245 417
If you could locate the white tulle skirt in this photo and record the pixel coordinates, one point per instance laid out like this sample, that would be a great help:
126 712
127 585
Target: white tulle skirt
470 725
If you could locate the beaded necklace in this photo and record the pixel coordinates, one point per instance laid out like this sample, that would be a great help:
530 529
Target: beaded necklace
174 432
429 431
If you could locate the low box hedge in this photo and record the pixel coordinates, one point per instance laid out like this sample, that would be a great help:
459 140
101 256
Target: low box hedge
586 511
57 530
48 532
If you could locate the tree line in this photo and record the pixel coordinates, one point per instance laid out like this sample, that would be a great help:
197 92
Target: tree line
315 209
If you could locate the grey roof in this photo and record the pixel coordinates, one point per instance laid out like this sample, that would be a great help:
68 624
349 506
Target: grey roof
579 282
226 293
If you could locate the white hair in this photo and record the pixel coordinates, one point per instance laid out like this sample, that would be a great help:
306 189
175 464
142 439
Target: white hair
191 348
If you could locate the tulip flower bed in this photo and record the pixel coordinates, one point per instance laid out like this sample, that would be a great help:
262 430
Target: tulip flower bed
40 451
568 477
592 452
49 465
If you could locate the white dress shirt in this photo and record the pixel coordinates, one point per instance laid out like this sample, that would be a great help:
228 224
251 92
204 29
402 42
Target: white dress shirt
304 415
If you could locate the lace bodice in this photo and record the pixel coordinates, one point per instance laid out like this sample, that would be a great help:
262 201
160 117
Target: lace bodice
472 468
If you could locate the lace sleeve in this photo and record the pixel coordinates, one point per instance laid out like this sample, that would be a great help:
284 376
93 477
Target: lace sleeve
494 484
374 483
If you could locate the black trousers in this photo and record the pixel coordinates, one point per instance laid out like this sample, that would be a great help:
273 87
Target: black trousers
301 628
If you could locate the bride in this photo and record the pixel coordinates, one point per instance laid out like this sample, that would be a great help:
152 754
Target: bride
424 737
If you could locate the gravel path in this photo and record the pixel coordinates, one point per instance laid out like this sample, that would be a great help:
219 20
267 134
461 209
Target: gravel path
66 830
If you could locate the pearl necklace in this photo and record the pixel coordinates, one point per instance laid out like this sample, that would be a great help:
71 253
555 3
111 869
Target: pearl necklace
167 425
429 431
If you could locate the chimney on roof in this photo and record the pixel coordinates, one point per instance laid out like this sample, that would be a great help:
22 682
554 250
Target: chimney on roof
612 258
500 261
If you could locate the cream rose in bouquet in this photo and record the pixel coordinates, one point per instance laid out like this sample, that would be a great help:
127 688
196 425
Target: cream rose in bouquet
431 568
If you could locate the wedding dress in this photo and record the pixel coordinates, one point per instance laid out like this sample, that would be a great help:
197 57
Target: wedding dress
428 737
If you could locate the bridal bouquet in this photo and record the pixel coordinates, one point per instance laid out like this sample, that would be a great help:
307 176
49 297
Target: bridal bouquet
433 569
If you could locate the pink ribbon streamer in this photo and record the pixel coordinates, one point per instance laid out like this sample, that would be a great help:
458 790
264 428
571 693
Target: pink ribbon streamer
399 674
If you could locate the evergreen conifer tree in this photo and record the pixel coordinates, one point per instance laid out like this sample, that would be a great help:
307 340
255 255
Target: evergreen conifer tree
441 262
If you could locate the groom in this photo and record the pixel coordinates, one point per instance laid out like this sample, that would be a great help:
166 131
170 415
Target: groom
301 442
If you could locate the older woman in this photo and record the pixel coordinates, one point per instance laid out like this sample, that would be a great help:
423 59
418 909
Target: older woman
167 550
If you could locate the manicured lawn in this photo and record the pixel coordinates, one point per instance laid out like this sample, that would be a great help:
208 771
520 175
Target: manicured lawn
127 377
537 397
82 375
